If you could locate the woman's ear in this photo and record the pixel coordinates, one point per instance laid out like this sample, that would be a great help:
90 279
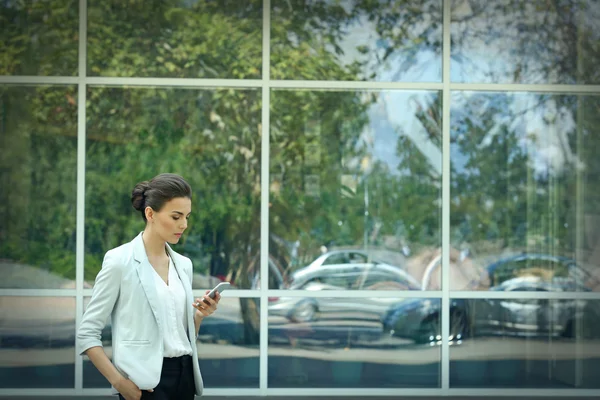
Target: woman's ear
149 213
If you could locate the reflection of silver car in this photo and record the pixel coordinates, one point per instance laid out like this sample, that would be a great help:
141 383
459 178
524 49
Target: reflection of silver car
530 316
323 276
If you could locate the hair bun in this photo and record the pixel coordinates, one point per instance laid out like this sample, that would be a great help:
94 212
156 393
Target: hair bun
138 195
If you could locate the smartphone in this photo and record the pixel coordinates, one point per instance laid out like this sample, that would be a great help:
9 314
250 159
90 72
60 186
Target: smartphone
219 288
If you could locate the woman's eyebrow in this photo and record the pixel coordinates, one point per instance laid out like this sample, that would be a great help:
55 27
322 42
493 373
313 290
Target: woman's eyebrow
178 212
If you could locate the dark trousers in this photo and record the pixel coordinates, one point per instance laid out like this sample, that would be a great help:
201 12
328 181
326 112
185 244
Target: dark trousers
176 381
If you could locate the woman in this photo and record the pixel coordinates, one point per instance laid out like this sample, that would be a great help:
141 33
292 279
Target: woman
146 288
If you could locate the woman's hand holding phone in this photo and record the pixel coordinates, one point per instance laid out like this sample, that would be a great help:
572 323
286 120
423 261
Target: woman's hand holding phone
208 303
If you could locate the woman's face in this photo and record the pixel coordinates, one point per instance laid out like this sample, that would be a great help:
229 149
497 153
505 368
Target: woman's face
170 222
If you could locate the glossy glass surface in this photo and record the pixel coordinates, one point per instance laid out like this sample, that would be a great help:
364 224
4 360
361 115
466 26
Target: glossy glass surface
529 343
355 191
39 37
227 347
356 40
524 192
37 342
212 139
353 342
175 38
38 168
525 41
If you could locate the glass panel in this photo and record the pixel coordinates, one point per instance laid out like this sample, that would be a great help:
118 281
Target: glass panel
533 343
525 184
92 378
211 138
355 191
38 167
357 40
39 37
525 41
228 345
175 38
37 342
353 342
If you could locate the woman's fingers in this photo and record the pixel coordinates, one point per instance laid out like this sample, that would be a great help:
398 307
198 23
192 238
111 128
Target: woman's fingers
205 305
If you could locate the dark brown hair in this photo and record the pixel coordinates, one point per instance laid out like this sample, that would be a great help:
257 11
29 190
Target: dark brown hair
157 191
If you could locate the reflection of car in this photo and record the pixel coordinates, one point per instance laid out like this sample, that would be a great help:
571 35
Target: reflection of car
548 268
419 319
530 316
323 276
352 273
337 257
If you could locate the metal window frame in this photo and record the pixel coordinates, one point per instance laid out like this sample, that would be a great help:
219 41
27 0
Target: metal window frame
445 87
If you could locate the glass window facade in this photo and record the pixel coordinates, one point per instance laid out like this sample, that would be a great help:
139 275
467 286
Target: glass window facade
402 194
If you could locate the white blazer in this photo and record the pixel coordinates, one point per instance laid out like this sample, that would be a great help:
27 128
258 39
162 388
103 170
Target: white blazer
125 290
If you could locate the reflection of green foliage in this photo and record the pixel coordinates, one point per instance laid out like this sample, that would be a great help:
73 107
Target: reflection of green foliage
204 135
501 197
212 137
38 165
39 37
160 38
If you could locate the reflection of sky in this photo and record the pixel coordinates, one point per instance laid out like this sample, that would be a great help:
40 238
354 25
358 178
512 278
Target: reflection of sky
393 116
491 58
540 123
424 66
394 113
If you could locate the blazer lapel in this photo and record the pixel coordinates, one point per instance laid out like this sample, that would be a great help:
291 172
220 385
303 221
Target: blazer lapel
146 275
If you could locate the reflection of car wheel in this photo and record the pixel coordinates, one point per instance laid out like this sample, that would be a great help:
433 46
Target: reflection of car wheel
304 312
430 329
569 331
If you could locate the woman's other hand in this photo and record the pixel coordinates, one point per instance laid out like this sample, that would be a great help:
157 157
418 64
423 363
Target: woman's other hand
129 390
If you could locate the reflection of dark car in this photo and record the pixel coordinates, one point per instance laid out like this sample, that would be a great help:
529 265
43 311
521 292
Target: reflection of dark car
368 276
419 319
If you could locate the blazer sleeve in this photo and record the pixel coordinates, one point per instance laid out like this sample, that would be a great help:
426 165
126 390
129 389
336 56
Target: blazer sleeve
104 296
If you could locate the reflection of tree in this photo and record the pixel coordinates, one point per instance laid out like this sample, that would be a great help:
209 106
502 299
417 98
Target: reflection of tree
212 137
406 201
523 41
514 171
315 145
310 39
490 189
39 37
37 175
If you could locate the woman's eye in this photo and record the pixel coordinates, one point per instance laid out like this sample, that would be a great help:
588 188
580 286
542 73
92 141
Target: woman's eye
175 218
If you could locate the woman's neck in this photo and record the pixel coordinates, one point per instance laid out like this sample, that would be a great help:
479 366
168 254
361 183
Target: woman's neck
155 246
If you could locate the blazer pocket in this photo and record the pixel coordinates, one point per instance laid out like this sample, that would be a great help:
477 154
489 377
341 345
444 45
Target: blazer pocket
135 342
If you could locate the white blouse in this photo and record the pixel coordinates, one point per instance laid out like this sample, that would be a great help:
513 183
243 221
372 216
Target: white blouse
173 314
